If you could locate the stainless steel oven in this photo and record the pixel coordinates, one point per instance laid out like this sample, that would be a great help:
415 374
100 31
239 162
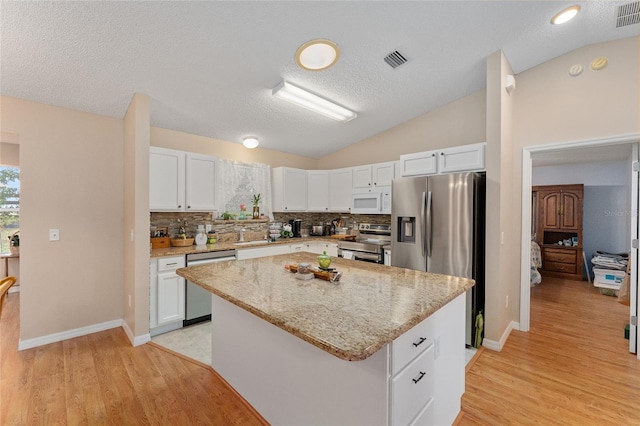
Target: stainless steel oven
369 247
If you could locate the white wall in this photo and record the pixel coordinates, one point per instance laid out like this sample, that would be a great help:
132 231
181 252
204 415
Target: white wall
72 179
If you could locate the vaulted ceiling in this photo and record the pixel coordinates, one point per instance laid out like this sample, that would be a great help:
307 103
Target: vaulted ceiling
209 67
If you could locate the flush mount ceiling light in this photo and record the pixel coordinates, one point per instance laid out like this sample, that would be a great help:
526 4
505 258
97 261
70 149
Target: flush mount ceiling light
566 15
317 55
250 142
313 102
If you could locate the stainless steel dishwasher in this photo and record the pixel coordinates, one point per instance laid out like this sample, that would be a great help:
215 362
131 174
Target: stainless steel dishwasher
197 300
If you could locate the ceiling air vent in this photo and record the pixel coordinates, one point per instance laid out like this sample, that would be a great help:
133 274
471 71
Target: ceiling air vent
395 59
628 14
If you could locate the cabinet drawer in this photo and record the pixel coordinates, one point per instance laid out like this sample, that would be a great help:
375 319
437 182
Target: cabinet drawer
568 268
560 256
426 415
410 345
170 263
412 389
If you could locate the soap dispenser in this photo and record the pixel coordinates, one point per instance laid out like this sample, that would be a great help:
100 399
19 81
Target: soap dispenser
201 237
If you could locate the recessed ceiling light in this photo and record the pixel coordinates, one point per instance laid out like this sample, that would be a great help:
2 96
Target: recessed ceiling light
250 142
565 15
317 55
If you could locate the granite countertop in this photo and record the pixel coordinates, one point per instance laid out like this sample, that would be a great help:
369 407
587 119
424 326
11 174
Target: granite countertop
221 246
370 307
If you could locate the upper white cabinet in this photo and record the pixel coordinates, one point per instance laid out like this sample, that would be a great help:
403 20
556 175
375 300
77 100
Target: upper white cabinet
447 160
318 190
181 181
373 175
461 158
166 180
201 181
340 183
289 189
419 163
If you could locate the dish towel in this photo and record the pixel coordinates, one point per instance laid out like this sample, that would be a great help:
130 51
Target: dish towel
347 254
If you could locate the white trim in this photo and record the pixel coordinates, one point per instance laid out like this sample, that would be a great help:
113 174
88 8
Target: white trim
69 334
525 285
135 340
525 251
497 346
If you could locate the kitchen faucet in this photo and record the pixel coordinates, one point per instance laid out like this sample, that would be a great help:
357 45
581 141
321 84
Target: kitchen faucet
242 234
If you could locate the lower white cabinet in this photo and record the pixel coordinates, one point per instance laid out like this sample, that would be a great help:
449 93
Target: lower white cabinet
276 249
167 294
263 251
319 248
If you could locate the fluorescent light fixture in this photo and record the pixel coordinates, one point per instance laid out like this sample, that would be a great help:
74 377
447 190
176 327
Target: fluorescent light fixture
250 142
310 101
565 15
317 55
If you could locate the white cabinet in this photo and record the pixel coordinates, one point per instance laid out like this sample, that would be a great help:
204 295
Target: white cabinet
317 190
320 247
419 163
263 251
461 158
373 175
166 294
200 182
289 189
340 183
181 181
166 180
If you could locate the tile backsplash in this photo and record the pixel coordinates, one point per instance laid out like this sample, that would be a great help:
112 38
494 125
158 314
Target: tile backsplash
254 228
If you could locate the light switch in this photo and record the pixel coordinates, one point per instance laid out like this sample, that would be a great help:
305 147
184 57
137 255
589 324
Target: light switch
54 234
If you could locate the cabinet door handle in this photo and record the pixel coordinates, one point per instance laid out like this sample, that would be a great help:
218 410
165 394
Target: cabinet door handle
188 207
422 373
419 342
172 264
179 206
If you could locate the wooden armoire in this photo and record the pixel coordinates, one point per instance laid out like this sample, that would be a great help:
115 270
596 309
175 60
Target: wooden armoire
558 219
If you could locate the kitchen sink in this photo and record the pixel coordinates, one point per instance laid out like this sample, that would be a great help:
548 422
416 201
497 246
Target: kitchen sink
251 243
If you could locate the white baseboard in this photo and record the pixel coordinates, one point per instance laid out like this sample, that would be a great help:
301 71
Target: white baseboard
497 346
135 340
83 331
69 334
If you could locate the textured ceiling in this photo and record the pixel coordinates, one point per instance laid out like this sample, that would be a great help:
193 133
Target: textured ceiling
209 67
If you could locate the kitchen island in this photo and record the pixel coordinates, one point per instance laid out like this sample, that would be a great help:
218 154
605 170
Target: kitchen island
385 345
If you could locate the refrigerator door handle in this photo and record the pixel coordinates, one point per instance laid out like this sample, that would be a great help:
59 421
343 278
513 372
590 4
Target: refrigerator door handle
422 221
428 229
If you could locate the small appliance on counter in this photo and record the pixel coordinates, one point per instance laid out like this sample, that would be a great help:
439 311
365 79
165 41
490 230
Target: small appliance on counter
296 225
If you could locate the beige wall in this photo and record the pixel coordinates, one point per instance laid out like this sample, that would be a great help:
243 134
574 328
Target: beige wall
9 152
71 179
136 218
172 139
461 122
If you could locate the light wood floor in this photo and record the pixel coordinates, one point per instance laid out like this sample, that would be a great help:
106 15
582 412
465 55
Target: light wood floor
101 379
572 368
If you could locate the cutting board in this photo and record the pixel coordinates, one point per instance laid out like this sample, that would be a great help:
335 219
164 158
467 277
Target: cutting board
344 237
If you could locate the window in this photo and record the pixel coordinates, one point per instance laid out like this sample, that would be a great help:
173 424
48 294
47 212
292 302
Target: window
9 205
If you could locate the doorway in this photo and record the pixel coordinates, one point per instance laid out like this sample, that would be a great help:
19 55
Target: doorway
581 149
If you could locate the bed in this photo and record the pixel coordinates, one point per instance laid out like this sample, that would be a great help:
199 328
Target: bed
536 262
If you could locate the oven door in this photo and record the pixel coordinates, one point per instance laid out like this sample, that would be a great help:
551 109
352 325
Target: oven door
367 257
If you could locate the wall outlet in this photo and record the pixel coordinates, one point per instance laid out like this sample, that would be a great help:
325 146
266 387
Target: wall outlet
54 235
436 348
129 300
506 303
207 228
131 235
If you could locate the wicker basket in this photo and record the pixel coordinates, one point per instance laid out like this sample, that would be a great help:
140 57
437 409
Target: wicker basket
180 242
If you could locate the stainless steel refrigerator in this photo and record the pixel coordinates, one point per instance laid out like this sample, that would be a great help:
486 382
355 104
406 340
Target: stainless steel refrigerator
438 225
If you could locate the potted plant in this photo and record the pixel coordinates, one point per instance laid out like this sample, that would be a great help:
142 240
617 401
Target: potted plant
256 207
14 243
